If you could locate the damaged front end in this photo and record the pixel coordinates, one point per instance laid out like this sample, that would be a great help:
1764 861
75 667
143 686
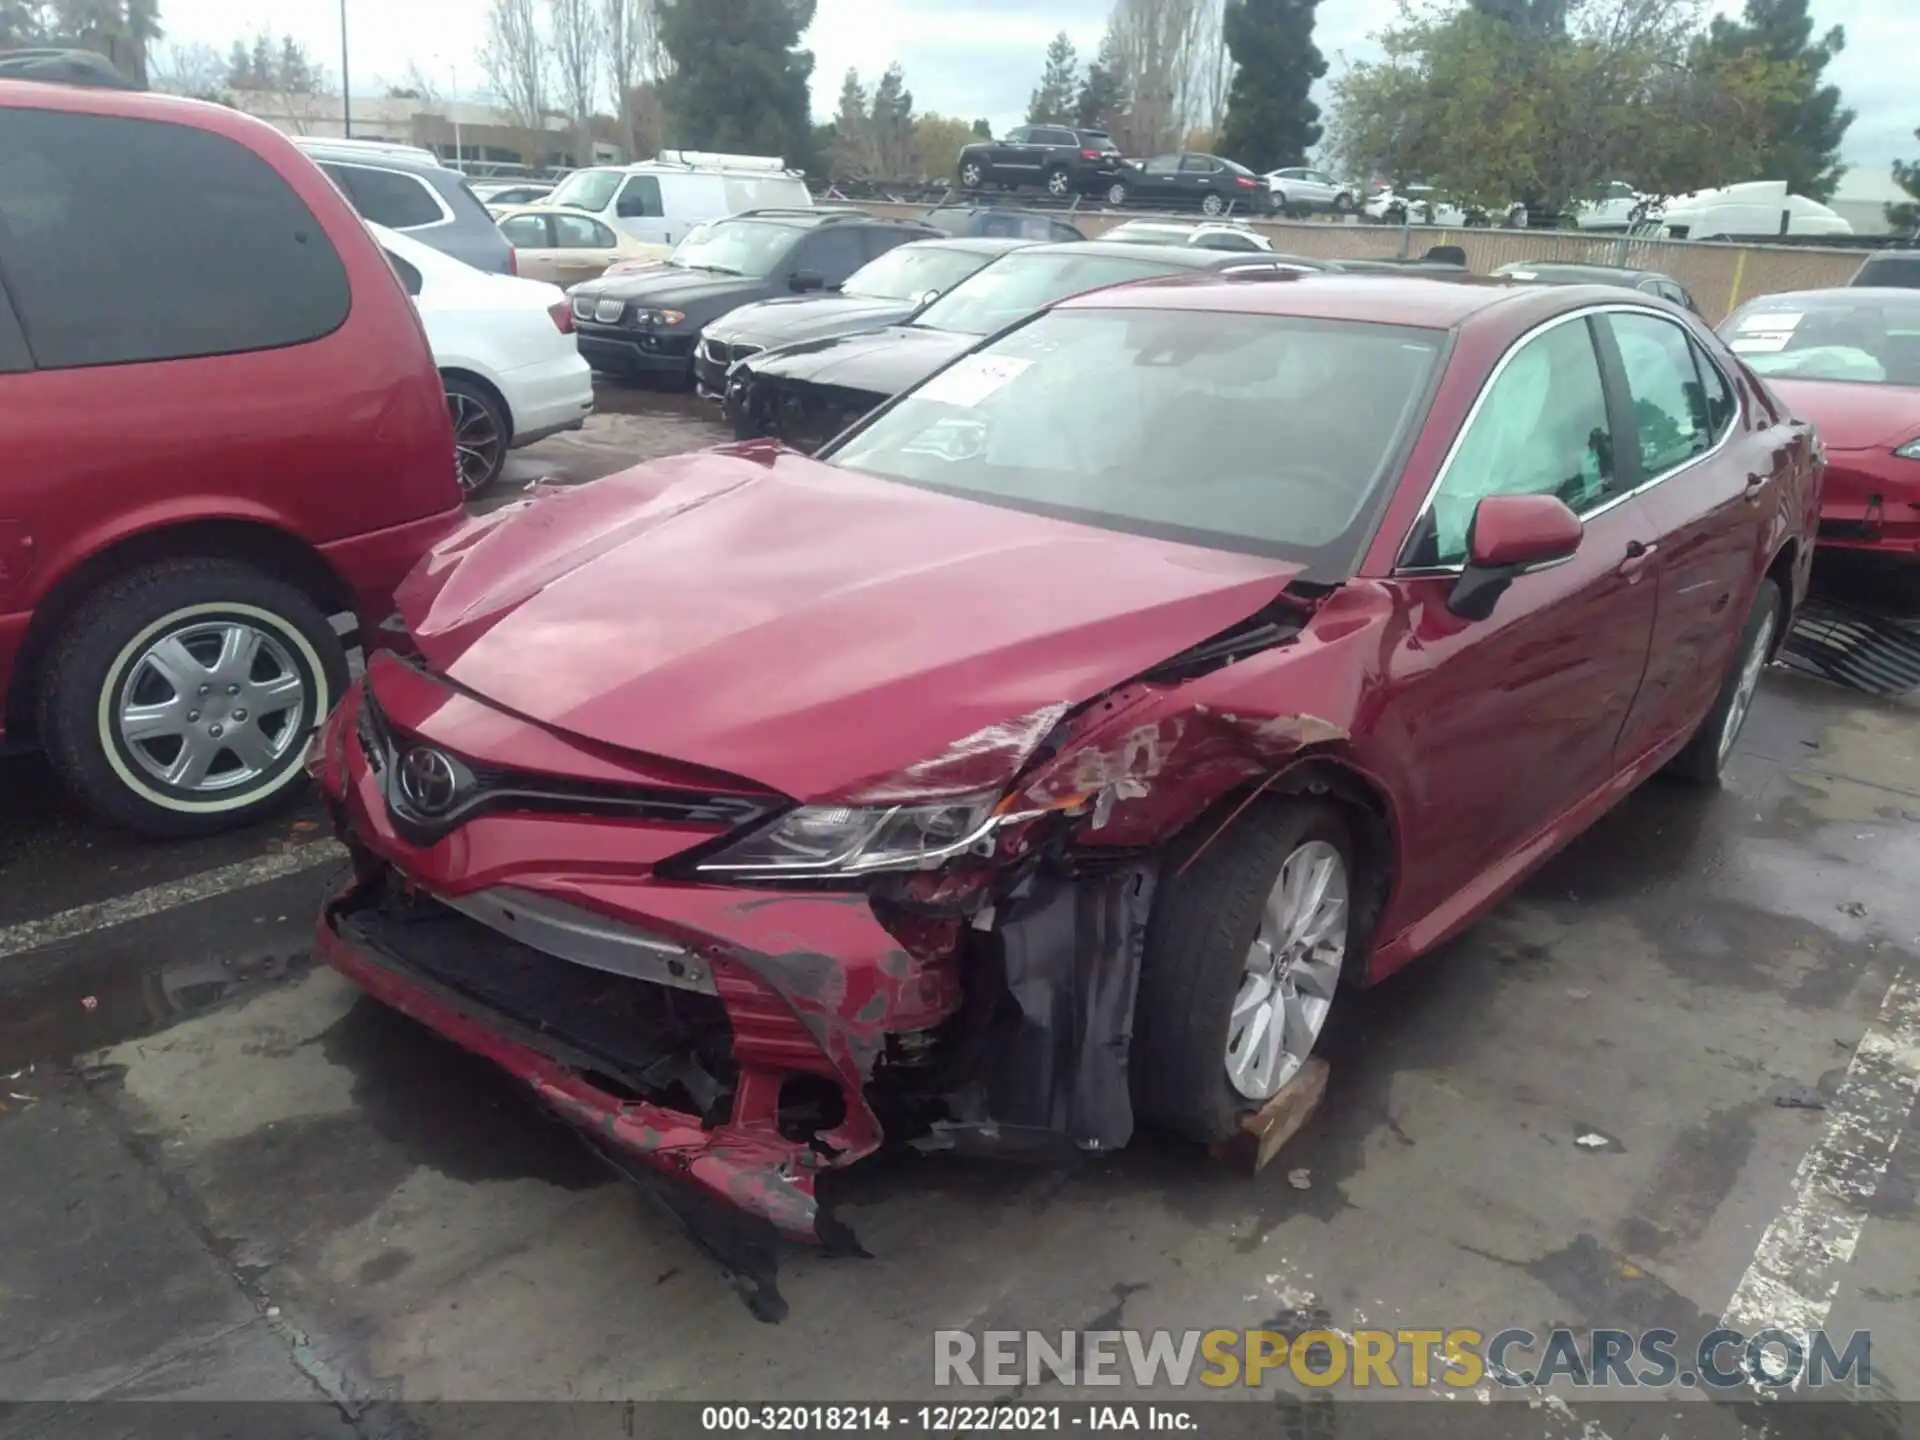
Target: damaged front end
734 994
803 415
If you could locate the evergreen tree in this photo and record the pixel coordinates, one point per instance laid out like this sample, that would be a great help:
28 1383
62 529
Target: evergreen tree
982 130
1904 215
1271 121
852 151
1807 125
892 122
740 80
1053 102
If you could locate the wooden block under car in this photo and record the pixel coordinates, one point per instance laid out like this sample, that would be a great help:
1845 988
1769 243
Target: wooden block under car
1278 1121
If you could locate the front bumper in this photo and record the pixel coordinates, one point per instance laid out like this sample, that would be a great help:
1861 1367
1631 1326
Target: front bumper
622 351
713 358
1863 510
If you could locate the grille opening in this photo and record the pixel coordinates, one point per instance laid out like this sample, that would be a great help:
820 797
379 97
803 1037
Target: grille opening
809 1104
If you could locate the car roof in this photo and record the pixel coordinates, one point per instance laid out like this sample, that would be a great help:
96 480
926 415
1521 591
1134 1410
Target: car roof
1423 302
972 244
1574 269
1183 257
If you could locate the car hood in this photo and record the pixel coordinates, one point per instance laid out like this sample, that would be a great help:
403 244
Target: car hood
1853 417
789 319
756 612
880 362
673 287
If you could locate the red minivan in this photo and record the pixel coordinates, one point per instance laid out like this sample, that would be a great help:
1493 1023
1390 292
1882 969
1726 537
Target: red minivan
220 431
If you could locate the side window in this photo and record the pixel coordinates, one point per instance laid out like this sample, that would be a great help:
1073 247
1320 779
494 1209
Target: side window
1198 164
410 278
1016 137
640 199
1669 404
1540 429
245 266
576 232
525 232
1722 408
1162 165
1060 230
390 198
833 254
995 226
1319 178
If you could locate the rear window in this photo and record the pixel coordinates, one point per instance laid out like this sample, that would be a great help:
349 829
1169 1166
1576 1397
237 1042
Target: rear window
1834 335
391 198
1900 271
130 240
1304 423
1013 287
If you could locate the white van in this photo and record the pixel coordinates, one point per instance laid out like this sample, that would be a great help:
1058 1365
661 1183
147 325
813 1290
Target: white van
1757 208
658 201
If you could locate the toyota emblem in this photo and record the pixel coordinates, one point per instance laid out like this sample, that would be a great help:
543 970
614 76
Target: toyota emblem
428 781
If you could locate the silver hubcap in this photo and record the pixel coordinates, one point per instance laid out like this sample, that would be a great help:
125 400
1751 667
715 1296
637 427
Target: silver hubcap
1057 183
212 706
970 175
1211 205
1292 969
1751 664
476 441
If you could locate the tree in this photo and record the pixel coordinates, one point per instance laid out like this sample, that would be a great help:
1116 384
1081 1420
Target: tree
1103 93
196 71
1806 124
892 125
513 56
634 60
1153 43
240 74
1905 214
1538 18
937 143
852 153
982 130
1624 93
740 79
1052 103
1271 119
296 69
578 43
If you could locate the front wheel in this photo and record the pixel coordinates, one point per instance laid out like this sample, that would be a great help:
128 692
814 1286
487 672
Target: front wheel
1212 204
972 175
179 698
1243 961
1707 753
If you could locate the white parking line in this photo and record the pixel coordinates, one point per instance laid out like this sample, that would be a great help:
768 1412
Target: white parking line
1796 1270
85 919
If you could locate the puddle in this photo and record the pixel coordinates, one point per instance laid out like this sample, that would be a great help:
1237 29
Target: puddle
1860 648
99 1001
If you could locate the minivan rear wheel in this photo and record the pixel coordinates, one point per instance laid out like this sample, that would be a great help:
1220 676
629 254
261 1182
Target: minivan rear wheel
179 698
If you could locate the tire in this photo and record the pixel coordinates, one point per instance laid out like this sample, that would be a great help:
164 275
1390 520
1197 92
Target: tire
1705 758
1117 194
1212 204
973 175
482 431
1059 183
1343 204
109 657
1203 927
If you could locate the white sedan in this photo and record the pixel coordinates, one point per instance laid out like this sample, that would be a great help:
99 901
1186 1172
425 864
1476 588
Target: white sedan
506 352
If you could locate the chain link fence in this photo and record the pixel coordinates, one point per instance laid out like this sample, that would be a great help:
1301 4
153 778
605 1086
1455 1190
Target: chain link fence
1719 276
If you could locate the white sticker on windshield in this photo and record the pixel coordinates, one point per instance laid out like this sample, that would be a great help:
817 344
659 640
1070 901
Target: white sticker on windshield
965 383
1772 320
1758 344
1524 274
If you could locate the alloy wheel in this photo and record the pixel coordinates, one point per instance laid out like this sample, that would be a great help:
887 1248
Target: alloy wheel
970 176
1212 205
1751 664
1292 970
1058 185
211 707
1116 194
478 446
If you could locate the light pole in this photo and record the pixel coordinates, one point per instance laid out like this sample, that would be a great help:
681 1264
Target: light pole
346 79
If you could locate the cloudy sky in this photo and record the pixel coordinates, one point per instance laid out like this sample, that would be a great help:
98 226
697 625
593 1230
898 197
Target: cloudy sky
983 57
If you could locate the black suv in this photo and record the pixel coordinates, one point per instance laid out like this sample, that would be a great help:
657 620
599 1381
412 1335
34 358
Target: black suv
647 323
1567 272
1065 162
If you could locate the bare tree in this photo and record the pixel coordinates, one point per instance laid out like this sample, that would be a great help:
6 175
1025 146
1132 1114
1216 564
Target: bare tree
1156 42
197 70
1212 74
635 58
514 57
579 46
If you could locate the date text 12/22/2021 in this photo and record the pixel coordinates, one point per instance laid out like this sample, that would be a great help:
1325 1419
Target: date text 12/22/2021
943 1419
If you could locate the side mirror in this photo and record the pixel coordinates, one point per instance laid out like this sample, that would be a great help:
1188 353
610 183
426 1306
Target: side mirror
804 280
1511 534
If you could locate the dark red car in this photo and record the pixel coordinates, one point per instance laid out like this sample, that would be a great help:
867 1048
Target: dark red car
1849 362
991 780
220 426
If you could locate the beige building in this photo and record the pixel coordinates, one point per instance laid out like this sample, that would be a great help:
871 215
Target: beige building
474 134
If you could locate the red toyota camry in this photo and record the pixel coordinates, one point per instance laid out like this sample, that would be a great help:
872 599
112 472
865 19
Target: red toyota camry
1055 747
1849 362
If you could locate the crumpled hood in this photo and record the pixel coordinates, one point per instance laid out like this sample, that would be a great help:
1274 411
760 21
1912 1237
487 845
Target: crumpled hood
880 362
790 319
753 611
1852 417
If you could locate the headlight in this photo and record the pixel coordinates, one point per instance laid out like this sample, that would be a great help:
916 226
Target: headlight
832 840
659 317
1909 451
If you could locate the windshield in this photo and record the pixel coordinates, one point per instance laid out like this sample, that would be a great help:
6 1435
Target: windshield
1014 287
1241 432
1833 336
735 247
911 271
587 189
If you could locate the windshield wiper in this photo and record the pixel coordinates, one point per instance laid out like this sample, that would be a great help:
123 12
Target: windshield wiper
710 269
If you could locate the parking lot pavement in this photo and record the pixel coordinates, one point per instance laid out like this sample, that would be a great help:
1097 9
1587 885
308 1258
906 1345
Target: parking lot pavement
630 423
323 1200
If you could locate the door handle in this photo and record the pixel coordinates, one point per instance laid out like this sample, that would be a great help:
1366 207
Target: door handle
1639 555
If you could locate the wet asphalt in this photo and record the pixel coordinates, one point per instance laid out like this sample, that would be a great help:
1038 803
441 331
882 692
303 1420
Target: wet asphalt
224 1174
